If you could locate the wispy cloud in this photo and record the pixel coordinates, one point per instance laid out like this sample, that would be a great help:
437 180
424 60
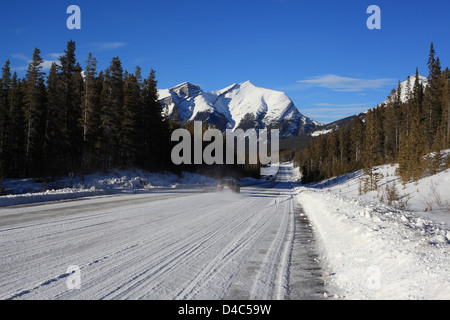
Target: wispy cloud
46 64
331 114
342 105
338 83
20 56
332 111
54 55
104 46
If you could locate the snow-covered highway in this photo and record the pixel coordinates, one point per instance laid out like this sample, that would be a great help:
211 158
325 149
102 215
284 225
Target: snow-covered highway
170 244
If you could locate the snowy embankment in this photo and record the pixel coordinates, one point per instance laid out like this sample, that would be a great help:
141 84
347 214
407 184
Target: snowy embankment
23 191
371 250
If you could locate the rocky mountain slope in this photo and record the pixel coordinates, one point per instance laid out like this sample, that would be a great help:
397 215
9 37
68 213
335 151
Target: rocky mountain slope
242 105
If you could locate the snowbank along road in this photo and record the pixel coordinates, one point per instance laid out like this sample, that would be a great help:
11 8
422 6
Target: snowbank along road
178 244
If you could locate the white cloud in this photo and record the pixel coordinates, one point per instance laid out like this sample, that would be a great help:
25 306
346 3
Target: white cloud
333 111
102 46
324 112
55 55
343 105
338 83
20 56
46 64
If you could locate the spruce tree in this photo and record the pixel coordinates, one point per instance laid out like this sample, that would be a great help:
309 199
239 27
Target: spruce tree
111 113
17 125
130 121
71 93
446 108
90 116
34 114
344 150
433 98
5 92
54 125
417 97
373 154
357 142
154 153
332 155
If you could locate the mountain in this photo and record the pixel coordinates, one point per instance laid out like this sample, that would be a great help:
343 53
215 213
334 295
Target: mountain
299 142
242 105
404 90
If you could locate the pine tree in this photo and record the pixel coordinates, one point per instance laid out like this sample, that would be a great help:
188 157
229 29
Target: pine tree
416 101
344 150
174 120
392 115
411 163
433 98
402 131
409 97
76 113
332 155
90 116
154 153
404 167
71 93
89 80
5 92
130 121
357 142
53 143
34 114
445 121
17 125
373 146
111 113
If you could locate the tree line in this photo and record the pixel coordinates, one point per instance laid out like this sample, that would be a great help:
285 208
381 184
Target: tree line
411 133
78 121
82 120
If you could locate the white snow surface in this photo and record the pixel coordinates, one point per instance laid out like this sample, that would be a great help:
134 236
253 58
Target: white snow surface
321 132
22 191
182 241
404 92
374 251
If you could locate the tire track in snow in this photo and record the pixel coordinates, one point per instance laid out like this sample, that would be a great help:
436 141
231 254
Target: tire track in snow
196 247
173 248
225 257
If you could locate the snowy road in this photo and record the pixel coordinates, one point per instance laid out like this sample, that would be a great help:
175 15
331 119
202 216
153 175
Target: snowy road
178 244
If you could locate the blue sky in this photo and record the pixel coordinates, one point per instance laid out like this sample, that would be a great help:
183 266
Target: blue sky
320 53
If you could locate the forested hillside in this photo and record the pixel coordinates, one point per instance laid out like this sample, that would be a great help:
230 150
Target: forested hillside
81 120
410 132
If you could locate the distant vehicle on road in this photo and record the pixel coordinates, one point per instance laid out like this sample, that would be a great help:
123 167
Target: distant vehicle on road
229 183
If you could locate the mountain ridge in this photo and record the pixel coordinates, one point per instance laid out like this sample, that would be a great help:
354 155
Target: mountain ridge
240 105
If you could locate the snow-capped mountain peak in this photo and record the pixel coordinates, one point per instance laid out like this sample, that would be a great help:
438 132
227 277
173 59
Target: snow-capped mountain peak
242 105
406 88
